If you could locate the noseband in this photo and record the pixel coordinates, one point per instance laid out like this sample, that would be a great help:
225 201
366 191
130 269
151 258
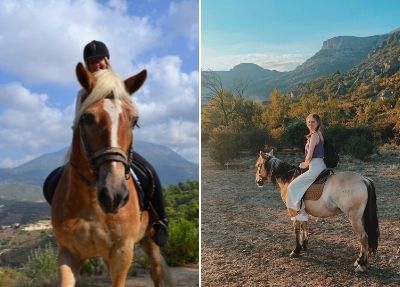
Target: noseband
97 158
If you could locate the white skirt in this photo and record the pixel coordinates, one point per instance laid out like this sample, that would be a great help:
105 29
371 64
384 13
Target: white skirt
300 184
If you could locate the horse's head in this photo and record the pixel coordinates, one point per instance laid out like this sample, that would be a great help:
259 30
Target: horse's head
105 122
263 171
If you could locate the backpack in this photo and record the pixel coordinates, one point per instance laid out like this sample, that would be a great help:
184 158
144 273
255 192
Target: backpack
331 157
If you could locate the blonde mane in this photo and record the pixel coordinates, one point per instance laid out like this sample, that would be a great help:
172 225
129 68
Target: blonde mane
107 82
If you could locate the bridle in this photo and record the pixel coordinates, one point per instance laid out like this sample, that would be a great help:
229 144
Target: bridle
97 158
259 167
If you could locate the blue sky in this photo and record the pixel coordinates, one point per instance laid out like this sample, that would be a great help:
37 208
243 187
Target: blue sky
281 34
41 43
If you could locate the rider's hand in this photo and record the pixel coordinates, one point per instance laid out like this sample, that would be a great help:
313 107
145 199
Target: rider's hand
303 165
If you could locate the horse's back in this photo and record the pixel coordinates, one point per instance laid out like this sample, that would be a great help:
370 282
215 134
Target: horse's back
341 192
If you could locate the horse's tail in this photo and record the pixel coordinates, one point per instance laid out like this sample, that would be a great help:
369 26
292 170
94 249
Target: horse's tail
370 217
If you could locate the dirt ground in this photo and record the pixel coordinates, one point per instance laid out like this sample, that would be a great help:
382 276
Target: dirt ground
247 236
182 277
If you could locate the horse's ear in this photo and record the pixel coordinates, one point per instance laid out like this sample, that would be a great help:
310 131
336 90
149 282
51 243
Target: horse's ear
85 78
134 83
271 152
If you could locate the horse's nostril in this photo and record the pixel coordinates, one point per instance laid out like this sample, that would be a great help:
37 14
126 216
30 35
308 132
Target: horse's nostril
105 200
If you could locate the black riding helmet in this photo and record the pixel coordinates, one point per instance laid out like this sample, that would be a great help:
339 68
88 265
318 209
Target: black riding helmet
95 49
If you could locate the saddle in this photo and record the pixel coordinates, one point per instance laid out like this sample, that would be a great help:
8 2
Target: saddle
141 175
314 192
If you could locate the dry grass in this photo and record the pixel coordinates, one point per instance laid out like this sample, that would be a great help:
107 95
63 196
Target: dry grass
247 237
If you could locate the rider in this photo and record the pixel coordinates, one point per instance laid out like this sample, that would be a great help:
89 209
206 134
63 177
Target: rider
96 58
314 160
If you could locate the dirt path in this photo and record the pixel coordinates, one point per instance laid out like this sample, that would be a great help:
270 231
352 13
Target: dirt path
182 277
247 237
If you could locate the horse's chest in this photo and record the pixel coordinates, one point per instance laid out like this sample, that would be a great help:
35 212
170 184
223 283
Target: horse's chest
94 237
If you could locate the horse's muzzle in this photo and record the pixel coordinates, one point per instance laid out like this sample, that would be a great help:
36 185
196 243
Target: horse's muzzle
111 201
260 182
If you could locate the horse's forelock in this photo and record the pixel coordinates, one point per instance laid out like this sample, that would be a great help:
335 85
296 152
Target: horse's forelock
108 82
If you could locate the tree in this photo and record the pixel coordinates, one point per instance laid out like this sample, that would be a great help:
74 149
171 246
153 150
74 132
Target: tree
224 144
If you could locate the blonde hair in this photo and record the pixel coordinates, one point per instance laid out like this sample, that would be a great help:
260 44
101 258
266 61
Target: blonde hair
318 120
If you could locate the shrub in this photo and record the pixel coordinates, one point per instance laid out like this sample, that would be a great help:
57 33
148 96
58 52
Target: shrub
183 243
223 144
93 266
294 134
360 144
338 136
41 267
254 139
11 277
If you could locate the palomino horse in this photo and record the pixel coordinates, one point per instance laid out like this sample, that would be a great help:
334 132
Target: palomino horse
95 208
347 192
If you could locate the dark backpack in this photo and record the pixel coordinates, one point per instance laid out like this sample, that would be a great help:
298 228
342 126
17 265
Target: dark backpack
331 157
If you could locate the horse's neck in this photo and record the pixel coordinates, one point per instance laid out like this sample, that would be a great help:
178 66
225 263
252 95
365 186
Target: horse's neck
284 181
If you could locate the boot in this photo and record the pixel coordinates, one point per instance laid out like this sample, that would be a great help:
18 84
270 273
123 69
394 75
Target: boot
160 236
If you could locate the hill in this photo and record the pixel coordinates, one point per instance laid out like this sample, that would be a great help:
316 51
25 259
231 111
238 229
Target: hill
338 54
375 77
25 181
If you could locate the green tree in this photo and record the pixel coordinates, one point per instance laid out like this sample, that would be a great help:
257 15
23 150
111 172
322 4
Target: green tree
224 144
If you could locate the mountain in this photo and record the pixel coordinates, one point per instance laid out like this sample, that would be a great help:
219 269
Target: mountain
376 76
24 182
245 74
338 54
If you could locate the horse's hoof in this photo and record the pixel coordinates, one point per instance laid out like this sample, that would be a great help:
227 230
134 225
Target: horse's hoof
294 254
360 269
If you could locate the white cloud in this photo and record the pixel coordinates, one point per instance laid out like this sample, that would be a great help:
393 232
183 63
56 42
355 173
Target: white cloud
168 106
41 41
183 20
272 61
169 92
10 162
29 126
181 136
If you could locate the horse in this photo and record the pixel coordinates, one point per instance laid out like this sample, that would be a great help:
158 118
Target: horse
347 192
95 208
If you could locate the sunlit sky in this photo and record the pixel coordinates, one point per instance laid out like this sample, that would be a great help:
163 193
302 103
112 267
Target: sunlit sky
281 34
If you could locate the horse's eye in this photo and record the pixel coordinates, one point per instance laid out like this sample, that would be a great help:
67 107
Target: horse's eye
88 119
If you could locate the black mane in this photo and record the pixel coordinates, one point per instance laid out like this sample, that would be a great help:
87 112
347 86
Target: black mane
282 170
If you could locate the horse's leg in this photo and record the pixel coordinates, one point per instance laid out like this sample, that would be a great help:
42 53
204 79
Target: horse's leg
68 267
356 221
159 269
118 264
296 251
304 235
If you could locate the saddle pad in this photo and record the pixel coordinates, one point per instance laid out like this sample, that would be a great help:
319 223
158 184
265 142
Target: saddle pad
314 192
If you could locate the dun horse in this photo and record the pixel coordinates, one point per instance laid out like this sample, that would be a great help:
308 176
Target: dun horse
95 208
347 192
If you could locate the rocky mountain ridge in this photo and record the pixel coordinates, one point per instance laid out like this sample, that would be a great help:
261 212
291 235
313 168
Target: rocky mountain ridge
337 55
